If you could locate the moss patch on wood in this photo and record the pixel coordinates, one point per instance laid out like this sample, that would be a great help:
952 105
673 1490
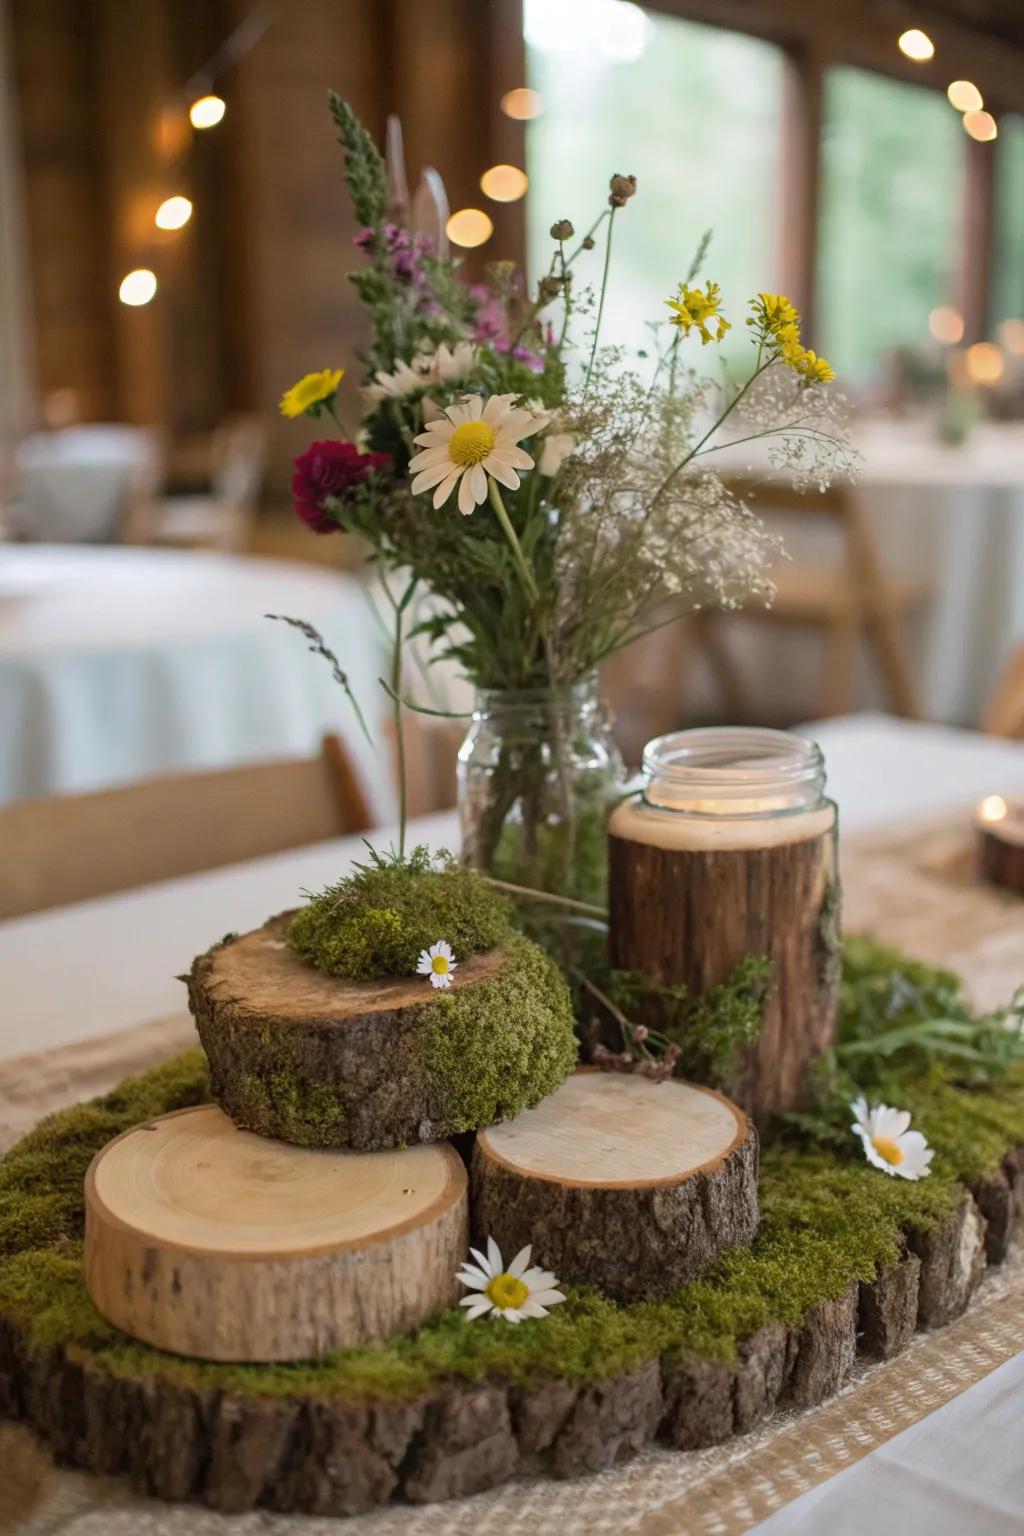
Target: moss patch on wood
378 920
827 1221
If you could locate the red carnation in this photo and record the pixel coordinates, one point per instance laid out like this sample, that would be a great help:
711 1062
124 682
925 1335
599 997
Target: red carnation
329 469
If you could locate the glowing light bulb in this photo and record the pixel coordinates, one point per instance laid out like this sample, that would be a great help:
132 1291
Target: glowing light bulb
522 103
469 227
137 287
504 183
946 325
965 96
173 213
207 111
984 363
1011 334
917 45
993 808
981 126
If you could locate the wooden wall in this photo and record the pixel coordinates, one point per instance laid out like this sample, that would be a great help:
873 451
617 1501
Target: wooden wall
253 291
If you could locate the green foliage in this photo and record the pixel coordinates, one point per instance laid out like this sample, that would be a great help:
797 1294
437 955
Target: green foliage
708 1027
377 920
364 168
502 1045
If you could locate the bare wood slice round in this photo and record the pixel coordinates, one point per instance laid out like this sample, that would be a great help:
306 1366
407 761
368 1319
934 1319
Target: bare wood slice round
209 1241
620 1182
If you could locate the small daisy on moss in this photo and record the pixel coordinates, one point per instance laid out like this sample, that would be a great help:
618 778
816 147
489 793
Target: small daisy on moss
888 1141
438 963
512 1293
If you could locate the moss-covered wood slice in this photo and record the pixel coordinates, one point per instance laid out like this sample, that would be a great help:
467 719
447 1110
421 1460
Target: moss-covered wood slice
213 1243
623 1183
324 1060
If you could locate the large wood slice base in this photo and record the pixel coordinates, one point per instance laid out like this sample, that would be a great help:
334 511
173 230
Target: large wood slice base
210 1242
623 1183
322 1061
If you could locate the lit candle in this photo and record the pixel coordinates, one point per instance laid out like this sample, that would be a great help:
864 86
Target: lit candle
1001 842
728 852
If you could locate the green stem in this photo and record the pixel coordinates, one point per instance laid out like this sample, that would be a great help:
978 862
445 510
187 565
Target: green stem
396 684
549 896
693 452
514 544
600 302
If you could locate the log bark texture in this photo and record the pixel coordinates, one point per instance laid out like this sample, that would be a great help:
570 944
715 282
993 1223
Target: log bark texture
207 1241
1001 854
619 1182
691 915
234 1450
316 1059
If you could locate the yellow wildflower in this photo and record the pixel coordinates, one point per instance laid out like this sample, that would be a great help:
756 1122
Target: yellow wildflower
312 393
775 313
695 307
814 368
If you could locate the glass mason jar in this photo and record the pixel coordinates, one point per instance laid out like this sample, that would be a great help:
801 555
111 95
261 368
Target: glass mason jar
538 773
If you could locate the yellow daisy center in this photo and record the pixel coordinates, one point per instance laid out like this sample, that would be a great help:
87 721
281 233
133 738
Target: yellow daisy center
888 1150
439 964
507 1291
470 443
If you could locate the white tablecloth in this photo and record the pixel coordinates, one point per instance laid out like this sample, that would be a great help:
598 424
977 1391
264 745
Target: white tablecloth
959 1470
951 517
117 663
76 484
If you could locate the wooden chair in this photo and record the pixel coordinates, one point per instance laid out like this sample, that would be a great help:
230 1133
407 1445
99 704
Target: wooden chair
849 601
1004 711
73 847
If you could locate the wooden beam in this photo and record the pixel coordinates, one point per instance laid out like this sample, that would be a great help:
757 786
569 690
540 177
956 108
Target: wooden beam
977 225
800 158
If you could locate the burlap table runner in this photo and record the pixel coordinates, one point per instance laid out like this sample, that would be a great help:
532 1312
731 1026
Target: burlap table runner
916 890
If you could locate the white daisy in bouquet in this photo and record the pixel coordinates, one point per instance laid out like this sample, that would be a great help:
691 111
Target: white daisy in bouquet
514 1293
470 442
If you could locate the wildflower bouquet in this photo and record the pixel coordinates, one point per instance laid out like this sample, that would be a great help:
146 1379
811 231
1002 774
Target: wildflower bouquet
554 498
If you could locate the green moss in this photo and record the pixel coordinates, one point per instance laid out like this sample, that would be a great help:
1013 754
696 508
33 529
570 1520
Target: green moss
377 920
827 1220
500 1046
295 1109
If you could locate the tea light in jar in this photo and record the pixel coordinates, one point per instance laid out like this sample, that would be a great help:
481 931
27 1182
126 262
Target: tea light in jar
1001 842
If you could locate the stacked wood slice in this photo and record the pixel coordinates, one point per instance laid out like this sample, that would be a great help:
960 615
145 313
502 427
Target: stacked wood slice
618 1181
1001 846
209 1241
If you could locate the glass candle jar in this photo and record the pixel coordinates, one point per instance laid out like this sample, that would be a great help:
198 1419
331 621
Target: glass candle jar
730 851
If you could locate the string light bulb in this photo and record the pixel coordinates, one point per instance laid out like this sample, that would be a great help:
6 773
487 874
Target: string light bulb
469 227
984 363
138 287
504 183
173 213
946 325
965 96
916 45
981 126
207 111
522 104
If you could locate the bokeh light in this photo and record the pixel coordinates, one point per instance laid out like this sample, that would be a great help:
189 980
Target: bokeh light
137 287
965 96
917 45
981 126
173 213
984 363
1011 335
469 227
993 808
522 103
504 183
207 112
946 325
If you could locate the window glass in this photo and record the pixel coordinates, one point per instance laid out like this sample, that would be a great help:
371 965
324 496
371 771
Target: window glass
892 165
694 113
1008 255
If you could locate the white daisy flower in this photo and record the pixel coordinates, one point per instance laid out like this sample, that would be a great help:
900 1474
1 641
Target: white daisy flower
469 442
448 363
393 386
438 963
888 1141
512 1293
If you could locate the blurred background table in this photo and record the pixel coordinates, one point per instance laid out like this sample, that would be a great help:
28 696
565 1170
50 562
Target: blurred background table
119 663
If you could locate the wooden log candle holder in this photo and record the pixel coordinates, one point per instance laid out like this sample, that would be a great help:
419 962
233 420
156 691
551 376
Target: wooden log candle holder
620 1182
211 1242
730 852
1001 842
